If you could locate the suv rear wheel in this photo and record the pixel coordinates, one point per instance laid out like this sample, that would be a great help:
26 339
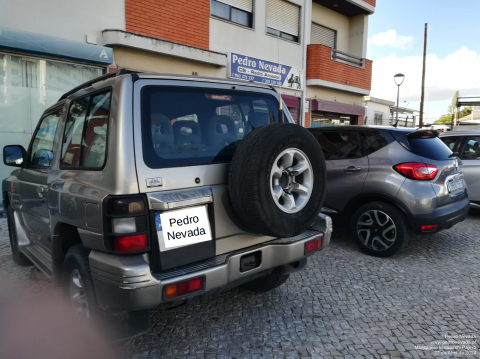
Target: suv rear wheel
379 229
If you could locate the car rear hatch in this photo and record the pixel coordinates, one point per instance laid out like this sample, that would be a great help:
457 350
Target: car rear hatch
185 135
448 181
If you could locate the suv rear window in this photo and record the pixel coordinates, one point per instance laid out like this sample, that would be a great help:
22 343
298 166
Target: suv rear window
185 126
432 148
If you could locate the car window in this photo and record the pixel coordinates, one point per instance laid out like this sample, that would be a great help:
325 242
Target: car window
183 126
339 145
432 148
374 141
472 149
85 135
41 152
450 141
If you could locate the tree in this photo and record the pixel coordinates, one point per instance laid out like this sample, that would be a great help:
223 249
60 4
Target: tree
453 105
444 118
465 112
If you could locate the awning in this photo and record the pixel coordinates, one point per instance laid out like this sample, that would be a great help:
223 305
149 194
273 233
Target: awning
53 46
291 101
337 107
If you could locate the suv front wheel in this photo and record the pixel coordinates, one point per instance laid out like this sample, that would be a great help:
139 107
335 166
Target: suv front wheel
379 229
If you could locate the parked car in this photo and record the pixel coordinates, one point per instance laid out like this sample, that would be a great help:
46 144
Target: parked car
383 182
139 190
467 145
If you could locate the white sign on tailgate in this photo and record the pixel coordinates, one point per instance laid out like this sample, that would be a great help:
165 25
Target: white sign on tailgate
182 227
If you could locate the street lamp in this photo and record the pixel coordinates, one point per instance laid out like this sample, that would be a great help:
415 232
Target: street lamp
398 80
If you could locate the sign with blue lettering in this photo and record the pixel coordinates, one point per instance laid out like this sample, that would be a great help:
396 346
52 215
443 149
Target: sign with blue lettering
53 46
248 68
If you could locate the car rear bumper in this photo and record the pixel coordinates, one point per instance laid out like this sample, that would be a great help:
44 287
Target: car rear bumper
126 283
444 217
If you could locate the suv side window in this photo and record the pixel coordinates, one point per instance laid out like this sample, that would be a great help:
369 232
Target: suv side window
472 149
451 142
41 151
375 140
85 137
340 145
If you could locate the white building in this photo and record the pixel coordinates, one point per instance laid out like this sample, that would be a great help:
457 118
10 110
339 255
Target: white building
378 111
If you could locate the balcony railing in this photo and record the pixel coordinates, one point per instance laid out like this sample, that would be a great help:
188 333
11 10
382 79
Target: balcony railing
349 59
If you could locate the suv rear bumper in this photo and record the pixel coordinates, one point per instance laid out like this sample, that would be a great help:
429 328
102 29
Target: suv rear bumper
126 283
444 217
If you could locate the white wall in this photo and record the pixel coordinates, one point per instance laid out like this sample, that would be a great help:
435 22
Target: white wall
226 37
357 44
329 18
66 19
372 107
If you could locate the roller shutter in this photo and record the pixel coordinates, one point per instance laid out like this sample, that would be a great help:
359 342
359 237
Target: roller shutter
323 36
283 16
246 5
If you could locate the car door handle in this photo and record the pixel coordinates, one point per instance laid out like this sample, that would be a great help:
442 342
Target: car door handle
40 191
351 169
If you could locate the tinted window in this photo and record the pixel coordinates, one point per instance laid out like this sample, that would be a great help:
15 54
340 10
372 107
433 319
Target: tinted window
188 126
374 141
432 148
450 141
85 135
339 145
472 149
42 146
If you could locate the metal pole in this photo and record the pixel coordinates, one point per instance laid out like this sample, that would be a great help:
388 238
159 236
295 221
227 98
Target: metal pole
398 96
423 76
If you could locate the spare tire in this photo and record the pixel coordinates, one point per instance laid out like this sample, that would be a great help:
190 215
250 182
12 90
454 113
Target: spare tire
277 180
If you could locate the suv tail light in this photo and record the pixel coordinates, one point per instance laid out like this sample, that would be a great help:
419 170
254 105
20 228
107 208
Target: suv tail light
127 224
417 171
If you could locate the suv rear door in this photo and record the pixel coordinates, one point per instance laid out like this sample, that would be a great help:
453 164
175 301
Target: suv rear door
347 166
470 156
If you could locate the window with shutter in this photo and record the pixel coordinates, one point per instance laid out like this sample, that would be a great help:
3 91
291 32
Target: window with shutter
283 19
237 11
322 35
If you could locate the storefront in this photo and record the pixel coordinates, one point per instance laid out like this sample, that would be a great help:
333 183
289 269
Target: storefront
35 70
328 113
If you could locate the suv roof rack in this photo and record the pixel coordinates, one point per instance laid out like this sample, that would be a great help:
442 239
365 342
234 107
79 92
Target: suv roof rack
119 72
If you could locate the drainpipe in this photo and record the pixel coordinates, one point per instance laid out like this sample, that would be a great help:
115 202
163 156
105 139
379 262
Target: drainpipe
306 40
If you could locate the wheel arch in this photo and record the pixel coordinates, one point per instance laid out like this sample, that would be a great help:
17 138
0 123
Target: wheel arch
64 237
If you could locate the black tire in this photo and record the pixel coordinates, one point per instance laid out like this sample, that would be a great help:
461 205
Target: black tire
250 182
17 256
76 259
267 283
396 238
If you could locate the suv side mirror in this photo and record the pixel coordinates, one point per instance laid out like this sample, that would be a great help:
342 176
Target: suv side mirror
14 155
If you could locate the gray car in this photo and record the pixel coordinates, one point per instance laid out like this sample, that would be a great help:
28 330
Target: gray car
383 182
142 189
467 145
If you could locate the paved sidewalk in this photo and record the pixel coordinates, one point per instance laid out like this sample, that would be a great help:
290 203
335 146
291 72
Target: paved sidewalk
344 305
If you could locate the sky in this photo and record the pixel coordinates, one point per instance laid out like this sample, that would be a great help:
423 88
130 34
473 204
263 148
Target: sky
395 44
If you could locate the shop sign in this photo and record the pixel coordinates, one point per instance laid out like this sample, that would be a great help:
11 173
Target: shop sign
248 68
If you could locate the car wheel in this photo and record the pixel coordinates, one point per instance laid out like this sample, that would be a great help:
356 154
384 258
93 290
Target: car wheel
78 283
277 180
17 256
267 283
379 229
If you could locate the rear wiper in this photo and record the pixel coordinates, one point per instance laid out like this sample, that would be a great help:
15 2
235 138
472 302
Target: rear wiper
454 154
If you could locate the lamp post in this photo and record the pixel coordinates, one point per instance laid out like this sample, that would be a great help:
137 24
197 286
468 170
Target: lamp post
398 81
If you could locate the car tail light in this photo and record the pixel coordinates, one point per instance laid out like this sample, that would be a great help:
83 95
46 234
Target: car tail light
312 246
130 243
183 288
428 227
417 171
127 224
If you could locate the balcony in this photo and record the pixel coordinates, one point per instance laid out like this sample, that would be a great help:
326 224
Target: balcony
349 8
330 68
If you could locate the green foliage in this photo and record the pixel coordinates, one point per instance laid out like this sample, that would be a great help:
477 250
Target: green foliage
443 119
453 105
448 118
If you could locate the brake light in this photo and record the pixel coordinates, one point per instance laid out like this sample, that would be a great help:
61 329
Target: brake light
183 288
312 246
417 171
428 227
130 243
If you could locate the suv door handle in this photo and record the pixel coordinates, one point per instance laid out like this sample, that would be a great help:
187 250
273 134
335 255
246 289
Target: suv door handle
40 191
351 169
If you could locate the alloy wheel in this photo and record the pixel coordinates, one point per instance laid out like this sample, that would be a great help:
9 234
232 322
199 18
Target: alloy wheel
78 296
376 230
291 180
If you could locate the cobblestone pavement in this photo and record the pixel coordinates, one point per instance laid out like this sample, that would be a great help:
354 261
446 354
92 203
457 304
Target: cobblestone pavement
344 305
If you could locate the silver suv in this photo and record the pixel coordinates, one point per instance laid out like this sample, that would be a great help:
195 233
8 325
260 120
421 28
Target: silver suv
384 182
144 189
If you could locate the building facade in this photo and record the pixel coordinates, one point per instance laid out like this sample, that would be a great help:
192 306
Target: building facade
313 52
377 111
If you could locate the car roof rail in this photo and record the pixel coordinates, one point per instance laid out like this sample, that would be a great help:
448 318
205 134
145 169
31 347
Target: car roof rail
119 72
